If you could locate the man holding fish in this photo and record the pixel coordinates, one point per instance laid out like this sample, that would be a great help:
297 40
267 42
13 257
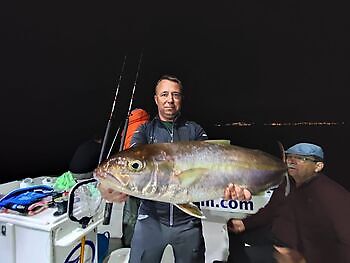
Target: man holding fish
177 169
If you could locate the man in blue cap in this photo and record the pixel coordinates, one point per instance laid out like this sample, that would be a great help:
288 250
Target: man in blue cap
304 153
314 223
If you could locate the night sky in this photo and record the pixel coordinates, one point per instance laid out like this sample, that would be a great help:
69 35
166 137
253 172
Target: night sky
257 61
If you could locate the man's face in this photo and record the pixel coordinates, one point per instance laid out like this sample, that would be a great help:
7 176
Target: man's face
301 168
168 98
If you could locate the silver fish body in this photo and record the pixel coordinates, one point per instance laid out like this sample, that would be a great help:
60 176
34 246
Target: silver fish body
185 172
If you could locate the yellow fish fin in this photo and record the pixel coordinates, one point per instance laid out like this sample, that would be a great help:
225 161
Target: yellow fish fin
222 142
260 193
191 209
190 176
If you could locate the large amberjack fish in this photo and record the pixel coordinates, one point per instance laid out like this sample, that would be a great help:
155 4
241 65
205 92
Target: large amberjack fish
186 172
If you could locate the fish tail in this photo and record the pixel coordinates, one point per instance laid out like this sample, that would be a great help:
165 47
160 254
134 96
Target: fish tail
282 151
287 189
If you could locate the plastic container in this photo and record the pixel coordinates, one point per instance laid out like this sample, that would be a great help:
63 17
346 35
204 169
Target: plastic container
44 237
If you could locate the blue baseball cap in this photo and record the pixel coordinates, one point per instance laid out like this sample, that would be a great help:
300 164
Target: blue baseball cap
306 149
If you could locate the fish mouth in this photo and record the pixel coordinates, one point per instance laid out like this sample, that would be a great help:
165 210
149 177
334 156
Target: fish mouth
121 179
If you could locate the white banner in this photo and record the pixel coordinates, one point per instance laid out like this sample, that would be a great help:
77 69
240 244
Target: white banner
235 206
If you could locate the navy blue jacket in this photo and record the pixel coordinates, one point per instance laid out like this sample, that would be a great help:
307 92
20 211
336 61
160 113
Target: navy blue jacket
156 132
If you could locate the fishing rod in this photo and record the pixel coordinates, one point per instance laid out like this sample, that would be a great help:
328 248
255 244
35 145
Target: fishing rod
114 139
121 146
109 205
112 114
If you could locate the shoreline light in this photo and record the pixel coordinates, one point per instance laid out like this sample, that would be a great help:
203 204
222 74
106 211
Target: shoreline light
280 124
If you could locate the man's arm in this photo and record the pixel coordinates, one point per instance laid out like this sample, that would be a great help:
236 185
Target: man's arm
199 132
139 136
265 215
288 255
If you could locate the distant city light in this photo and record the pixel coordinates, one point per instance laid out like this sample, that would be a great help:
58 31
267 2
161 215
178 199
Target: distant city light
279 124
240 123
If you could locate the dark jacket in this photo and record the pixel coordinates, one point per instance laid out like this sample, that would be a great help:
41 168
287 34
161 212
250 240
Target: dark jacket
156 132
315 221
265 216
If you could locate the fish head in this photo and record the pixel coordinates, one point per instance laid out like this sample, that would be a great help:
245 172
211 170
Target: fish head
136 171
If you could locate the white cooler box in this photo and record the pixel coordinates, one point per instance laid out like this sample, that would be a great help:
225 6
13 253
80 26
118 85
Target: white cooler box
43 237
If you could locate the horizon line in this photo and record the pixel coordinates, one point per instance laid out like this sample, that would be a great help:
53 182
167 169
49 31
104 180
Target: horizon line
279 124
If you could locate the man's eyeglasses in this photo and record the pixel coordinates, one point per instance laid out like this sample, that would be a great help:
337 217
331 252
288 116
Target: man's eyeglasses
302 158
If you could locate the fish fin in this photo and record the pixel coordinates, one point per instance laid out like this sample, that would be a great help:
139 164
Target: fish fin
221 142
260 193
190 176
191 209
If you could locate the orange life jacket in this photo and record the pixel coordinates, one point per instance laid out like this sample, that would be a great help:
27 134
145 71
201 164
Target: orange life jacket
137 117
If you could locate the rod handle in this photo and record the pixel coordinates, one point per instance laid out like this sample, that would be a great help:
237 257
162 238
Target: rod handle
107 213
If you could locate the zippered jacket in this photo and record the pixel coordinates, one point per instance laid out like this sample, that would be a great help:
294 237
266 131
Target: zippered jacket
156 132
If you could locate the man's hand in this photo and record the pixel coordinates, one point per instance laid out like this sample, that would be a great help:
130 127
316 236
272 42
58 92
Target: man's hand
287 255
235 192
236 226
111 195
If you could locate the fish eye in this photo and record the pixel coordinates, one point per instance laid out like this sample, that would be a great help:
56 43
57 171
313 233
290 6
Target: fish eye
135 165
